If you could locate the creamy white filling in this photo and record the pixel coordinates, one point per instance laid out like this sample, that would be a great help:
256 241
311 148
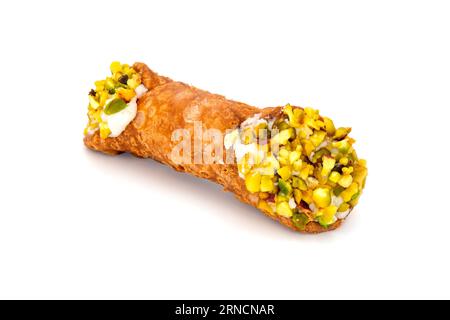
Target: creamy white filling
230 139
252 121
313 207
342 215
91 131
292 203
336 201
140 90
118 121
240 149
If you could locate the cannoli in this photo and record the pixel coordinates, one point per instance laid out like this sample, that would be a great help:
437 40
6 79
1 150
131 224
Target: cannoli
289 162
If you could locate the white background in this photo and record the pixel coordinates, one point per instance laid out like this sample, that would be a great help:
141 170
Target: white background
79 224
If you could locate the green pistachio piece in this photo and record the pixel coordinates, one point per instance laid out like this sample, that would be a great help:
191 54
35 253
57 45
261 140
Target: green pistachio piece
285 187
283 126
341 133
115 106
327 216
319 154
338 190
322 197
299 184
109 84
343 146
355 196
329 126
300 220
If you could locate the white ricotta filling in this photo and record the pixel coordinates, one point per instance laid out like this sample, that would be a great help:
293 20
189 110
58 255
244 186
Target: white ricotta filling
118 121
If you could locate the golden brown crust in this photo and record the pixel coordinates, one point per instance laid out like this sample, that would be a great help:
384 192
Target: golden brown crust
170 105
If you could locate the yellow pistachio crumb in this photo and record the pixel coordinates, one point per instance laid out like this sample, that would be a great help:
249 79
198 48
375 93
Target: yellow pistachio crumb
266 184
329 126
104 130
334 176
284 172
345 181
284 210
115 67
327 165
348 193
253 181
322 197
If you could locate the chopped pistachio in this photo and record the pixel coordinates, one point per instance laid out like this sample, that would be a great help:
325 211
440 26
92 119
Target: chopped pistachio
317 137
111 94
126 94
300 220
345 181
307 196
298 117
253 181
341 133
343 161
109 84
355 196
311 113
347 170
305 132
312 182
282 137
304 173
348 193
284 154
266 184
328 216
327 165
329 126
338 190
104 130
285 172
343 207
294 156
132 83
311 163
288 111
320 124
359 176
284 210
297 165
115 67
334 176
93 103
322 197
115 106
299 184
297 196
103 97
285 187
343 146
319 154
308 147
